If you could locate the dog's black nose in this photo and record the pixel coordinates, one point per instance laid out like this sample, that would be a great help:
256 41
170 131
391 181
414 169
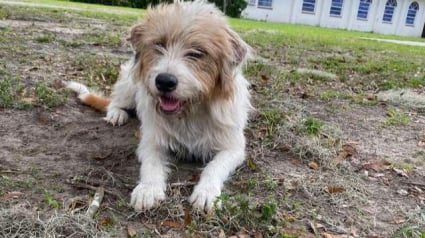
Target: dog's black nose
166 82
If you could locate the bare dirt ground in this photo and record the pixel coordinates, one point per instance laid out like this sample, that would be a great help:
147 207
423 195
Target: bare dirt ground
360 176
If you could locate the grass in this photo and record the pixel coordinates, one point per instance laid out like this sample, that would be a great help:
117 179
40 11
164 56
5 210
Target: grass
97 70
396 117
47 38
50 200
340 67
47 96
312 125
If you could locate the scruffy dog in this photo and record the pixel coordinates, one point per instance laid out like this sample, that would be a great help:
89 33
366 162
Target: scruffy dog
186 85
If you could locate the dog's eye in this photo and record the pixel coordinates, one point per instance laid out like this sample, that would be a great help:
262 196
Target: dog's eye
196 54
160 45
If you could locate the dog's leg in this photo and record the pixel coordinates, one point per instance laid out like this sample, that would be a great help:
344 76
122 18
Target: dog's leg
123 97
213 176
153 175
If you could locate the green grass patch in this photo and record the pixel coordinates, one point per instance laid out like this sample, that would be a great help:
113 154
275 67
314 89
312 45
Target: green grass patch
51 201
47 96
272 119
3 13
312 125
396 117
47 38
98 70
10 92
104 39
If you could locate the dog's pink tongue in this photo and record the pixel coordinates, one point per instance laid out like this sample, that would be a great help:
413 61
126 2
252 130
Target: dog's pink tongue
169 104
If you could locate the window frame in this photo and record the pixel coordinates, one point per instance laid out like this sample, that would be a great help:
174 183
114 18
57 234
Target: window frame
265 6
304 7
360 10
413 18
338 6
389 11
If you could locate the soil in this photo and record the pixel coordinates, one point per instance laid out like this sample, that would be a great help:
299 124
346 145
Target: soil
61 150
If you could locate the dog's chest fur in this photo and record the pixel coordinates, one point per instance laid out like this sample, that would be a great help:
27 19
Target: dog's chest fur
195 136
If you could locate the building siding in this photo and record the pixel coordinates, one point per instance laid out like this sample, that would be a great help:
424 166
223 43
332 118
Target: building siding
290 11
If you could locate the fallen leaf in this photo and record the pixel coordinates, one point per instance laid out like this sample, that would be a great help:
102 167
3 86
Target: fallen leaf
313 165
187 216
194 178
371 97
137 134
242 234
251 164
377 165
28 100
402 192
399 221
9 195
378 175
172 224
334 189
401 172
347 151
222 234
315 227
131 231
105 221
327 235
57 84
265 77
258 235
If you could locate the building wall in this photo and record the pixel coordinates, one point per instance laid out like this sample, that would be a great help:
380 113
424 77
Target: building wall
290 11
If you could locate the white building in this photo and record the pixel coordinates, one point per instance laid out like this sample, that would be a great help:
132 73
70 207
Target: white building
398 17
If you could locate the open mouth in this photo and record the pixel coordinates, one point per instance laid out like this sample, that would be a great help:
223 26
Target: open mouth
169 104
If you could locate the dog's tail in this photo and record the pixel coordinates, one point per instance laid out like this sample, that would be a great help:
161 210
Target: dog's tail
91 99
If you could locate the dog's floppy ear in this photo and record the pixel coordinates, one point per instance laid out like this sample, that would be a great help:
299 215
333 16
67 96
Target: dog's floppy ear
136 36
241 51
237 55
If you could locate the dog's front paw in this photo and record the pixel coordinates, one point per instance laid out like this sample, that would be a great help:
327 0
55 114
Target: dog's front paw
147 195
116 116
204 195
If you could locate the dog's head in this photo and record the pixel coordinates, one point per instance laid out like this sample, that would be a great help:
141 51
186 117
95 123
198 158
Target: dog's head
187 54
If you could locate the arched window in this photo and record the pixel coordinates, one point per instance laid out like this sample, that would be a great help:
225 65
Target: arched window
411 13
336 7
363 10
308 6
389 11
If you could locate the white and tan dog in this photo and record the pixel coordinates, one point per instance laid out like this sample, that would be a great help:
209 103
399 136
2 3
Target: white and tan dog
186 85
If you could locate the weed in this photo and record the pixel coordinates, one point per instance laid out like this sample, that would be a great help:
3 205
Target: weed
48 96
268 210
7 95
312 125
272 119
51 201
396 118
3 13
242 211
98 70
104 39
47 38
331 94
404 166
410 231
416 82
10 89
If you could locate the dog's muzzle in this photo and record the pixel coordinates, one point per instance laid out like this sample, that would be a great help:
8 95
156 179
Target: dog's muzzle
168 103
166 83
